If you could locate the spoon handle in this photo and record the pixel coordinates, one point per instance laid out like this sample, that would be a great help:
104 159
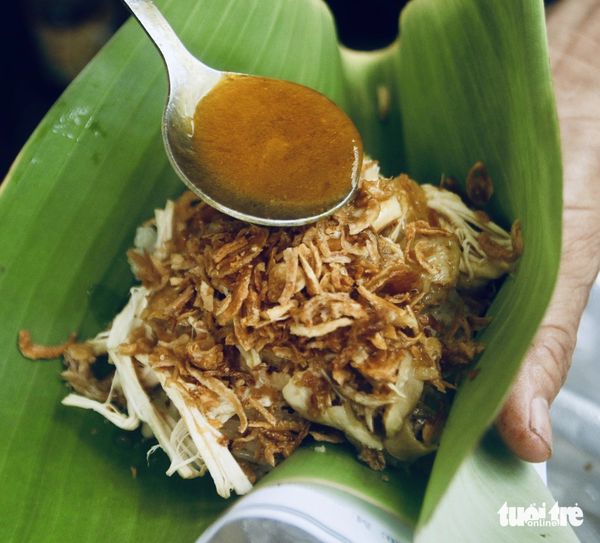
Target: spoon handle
178 59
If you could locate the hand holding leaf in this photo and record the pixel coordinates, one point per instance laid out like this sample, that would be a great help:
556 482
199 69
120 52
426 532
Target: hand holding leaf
525 421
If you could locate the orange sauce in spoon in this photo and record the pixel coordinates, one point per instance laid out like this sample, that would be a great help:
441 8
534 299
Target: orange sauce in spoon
274 149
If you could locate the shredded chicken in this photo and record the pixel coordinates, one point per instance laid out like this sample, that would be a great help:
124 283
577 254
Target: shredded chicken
242 340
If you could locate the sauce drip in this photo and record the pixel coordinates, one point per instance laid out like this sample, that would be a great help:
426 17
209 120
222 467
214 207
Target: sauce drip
273 149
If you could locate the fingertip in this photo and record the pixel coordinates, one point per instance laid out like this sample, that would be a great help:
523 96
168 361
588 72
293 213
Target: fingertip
540 425
526 429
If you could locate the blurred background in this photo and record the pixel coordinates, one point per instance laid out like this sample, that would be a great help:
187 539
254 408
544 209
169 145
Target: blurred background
45 43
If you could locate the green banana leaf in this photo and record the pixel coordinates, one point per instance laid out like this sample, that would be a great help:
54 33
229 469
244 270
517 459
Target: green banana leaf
467 80
468 513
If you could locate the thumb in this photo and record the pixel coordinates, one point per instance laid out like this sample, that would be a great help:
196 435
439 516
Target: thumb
524 422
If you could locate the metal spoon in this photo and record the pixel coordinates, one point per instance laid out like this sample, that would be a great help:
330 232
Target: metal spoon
190 81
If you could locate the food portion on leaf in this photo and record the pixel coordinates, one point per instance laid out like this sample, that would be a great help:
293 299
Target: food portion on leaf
243 340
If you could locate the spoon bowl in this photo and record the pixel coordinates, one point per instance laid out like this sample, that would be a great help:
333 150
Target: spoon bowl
190 81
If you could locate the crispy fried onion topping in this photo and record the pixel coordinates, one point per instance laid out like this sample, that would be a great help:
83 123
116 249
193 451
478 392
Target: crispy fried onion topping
240 337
